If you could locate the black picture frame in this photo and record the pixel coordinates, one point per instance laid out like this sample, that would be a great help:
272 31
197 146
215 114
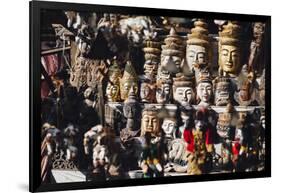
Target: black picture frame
34 98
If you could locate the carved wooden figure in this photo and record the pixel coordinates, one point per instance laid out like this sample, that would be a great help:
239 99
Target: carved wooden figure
198 53
183 89
230 49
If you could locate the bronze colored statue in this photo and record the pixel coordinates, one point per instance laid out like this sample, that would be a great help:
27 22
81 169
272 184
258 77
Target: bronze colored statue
230 49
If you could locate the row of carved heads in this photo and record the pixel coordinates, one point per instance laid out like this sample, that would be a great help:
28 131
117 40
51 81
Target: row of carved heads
179 90
167 70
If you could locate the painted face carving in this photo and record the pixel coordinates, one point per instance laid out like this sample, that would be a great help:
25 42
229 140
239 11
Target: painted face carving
183 95
222 94
229 58
163 93
150 123
196 56
204 92
144 91
126 89
112 92
147 92
169 127
128 81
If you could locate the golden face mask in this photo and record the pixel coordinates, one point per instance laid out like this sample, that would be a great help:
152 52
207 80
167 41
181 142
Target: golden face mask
113 92
230 58
150 122
126 87
129 81
229 48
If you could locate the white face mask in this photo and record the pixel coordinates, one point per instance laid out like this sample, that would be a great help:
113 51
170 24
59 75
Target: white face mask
168 127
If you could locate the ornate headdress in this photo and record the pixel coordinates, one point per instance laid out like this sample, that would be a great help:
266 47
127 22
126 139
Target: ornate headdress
204 76
184 80
163 81
222 82
199 34
129 74
152 50
173 44
230 34
114 72
150 110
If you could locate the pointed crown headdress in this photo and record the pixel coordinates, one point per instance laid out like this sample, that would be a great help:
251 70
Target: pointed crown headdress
230 34
199 34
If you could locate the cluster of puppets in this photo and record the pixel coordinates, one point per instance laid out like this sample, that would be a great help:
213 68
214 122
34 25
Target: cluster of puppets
146 97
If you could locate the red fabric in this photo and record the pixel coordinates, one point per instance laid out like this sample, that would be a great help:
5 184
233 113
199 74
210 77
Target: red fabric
209 137
188 137
236 148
